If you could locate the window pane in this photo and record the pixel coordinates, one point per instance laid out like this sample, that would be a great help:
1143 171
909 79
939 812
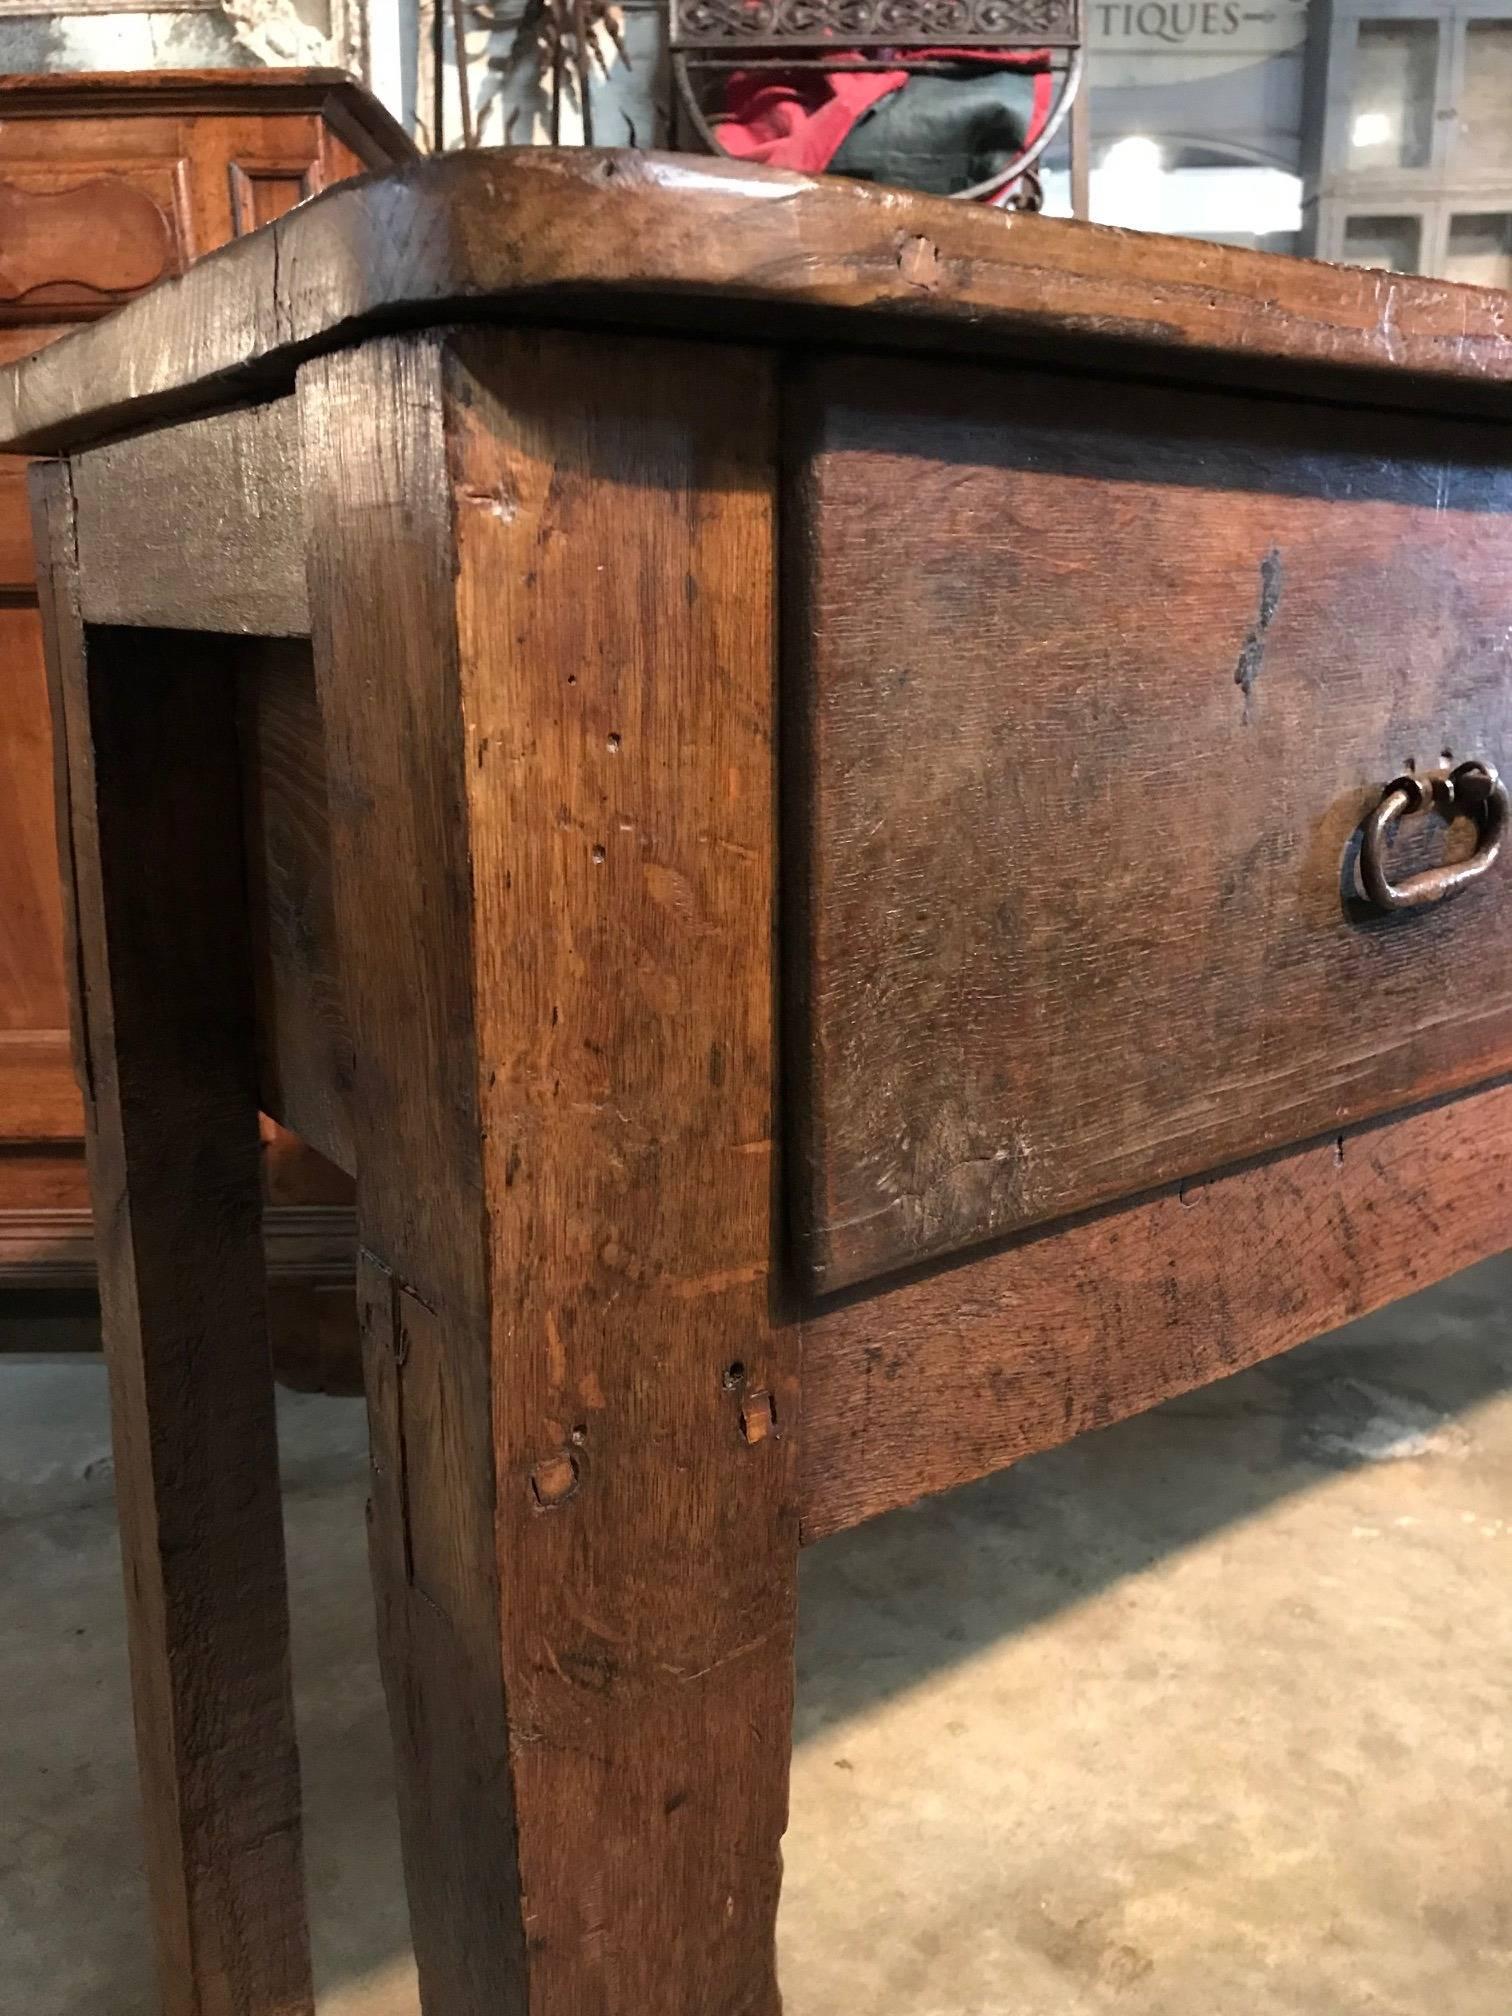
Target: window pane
1484 141
1391 105
1382 241
1480 250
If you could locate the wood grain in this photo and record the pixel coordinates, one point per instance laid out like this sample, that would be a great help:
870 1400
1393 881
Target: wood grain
18 563
1097 686
197 528
304 1044
37 1083
382 589
958 1373
32 995
553 835
173 1153
667 242
62 1181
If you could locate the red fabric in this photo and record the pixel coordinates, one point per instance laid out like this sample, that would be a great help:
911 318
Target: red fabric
798 119
994 59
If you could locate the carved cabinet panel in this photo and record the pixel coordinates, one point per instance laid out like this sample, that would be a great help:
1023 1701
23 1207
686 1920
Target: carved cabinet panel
84 243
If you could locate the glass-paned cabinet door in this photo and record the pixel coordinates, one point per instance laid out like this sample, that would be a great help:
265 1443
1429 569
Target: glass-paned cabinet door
1393 93
1414 159
1463 238
1481 146
1478 248
1377 239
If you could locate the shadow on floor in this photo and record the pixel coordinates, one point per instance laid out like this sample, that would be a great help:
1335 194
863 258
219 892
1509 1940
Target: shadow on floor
883 1609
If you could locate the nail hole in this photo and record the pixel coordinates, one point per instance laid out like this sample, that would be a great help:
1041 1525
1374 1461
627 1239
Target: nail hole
599 855
734 1375
580 1434
614 744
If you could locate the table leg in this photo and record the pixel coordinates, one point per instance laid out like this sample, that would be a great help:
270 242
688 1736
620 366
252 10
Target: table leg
541 581
150 835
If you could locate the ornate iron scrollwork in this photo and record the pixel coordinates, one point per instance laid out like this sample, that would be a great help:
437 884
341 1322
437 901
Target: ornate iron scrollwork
773 24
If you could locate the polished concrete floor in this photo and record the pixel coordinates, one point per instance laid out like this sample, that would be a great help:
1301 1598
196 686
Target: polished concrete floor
1206 1714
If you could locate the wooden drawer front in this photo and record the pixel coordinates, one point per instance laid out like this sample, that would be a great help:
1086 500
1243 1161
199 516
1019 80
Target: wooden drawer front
1092 687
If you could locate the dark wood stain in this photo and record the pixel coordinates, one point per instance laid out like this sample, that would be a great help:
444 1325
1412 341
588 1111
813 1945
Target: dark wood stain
1252 652
200 528
304 1044
1071 922
545 1165
163 1005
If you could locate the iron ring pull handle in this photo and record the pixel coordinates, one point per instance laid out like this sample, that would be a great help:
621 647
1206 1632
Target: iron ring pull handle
1473 788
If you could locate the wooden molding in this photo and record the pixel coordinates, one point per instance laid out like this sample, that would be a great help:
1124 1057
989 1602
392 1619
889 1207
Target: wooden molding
372 132
308 1244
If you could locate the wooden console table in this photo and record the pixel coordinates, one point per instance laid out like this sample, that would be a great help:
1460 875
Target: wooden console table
825 797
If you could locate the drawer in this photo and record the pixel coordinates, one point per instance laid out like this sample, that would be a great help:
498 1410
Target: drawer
1089 688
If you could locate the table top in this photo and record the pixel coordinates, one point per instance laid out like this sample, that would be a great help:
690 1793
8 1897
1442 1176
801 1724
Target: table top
658 241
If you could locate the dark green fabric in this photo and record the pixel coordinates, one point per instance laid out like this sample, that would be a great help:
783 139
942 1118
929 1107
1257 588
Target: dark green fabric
942 133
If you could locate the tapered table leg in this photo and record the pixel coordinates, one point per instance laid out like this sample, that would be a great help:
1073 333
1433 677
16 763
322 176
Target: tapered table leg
155 893
540 574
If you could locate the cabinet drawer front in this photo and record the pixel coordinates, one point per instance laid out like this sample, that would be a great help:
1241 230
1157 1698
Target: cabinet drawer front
1089 689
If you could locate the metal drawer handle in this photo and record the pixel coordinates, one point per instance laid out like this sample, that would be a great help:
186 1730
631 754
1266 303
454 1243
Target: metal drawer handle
1472 788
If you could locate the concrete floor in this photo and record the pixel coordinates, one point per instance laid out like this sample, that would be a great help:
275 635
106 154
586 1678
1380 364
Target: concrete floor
1206 1714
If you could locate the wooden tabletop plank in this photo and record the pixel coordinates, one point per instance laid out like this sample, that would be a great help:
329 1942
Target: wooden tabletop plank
662 241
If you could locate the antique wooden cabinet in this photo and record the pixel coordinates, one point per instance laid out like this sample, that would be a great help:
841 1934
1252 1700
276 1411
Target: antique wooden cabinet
1408 140
108 184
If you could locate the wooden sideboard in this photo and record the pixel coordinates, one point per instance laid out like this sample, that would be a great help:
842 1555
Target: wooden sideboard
107 185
